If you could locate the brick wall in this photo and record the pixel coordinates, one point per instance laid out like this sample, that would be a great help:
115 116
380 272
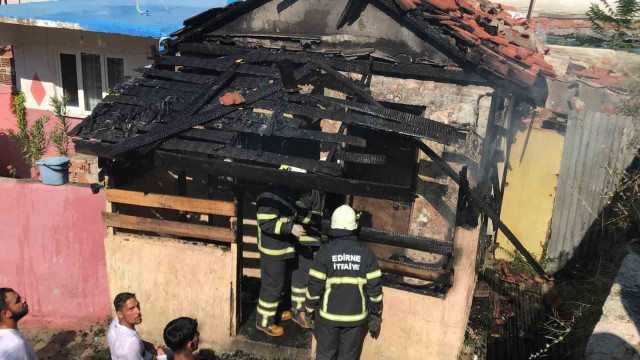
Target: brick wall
7 71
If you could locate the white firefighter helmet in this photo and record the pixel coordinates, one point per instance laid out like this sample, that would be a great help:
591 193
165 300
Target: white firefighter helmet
344 218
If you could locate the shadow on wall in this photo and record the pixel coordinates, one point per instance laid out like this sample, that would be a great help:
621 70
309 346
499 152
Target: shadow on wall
57 348
12 156
584 283
616 348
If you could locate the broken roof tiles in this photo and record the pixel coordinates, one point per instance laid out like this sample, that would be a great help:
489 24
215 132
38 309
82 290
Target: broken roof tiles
595 74
232 98
479 34
513 50
444 4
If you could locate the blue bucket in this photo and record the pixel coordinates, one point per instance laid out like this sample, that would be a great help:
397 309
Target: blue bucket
54 170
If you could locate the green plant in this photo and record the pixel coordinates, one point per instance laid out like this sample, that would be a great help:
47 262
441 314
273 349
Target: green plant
38 140
631 106
12 171
60 133
557 328
19 110
33 140
625 201
620 16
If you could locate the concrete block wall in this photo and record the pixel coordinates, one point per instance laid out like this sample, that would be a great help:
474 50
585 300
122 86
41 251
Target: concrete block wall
52 251
173 278
420 327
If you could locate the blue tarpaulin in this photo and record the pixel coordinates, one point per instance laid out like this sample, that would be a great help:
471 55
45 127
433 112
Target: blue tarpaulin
114 16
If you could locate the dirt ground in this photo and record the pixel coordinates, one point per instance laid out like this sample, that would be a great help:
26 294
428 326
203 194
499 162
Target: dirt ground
480 321
54 344
91 344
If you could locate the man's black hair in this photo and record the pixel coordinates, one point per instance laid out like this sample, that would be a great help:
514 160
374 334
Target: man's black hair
3 298
122 299
179 332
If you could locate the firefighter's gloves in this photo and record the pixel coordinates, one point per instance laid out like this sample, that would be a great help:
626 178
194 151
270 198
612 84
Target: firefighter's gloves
375 321
298 231
408 4
311 319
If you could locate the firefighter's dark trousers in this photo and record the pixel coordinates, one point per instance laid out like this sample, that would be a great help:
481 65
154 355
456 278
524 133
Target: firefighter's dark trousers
300 275
273 274
338 343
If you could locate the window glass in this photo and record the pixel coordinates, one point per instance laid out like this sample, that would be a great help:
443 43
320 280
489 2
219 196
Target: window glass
115 72
69 78
91 80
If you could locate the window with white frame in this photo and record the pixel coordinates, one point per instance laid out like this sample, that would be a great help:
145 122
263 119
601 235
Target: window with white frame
87 77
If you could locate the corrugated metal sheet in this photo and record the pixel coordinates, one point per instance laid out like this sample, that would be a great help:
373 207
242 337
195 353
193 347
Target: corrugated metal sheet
597 146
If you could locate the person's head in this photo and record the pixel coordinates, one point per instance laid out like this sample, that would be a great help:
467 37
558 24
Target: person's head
127 309
344 218
12 306
181 335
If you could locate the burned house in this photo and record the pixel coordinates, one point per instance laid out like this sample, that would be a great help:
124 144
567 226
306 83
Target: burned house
348 91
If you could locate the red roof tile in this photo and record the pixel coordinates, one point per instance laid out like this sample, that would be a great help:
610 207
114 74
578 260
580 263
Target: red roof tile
444 4
525 52
610 110
232 98
467 6
499 40
513 53
437 17
509 50
507 18
495 65
539 61
477 30
522 75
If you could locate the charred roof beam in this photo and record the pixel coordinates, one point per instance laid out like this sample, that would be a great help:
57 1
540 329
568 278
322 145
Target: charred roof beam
203 117
297 180
417 71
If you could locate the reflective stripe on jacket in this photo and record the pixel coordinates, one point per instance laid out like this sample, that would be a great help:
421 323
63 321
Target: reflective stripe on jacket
345 282
309 208
276 216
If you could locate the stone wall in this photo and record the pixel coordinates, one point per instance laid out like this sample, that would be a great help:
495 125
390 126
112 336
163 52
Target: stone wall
617 334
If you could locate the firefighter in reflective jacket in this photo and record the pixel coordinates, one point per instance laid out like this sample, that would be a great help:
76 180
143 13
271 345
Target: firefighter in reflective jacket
309 208
344 292
277 233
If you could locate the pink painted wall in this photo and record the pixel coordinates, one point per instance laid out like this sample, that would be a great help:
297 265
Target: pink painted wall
52 251
11 154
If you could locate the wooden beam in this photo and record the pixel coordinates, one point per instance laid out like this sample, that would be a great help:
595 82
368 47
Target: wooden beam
439 276
168 227
182 203
296 180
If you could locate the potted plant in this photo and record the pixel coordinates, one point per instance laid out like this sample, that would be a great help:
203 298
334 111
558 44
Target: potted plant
34 141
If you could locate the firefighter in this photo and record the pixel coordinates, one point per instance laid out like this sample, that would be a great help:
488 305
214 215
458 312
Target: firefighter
309 207
346 276
277 233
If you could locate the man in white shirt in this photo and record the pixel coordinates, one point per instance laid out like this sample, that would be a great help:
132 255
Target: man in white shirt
13 345
124 341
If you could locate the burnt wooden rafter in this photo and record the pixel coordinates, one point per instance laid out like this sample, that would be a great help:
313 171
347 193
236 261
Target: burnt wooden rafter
184 98
178 112
376 67
297 180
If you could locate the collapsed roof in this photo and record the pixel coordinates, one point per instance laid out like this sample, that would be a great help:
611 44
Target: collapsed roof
247 92
476 36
